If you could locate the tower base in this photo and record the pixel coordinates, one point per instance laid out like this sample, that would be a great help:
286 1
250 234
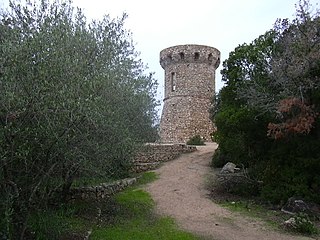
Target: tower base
184 117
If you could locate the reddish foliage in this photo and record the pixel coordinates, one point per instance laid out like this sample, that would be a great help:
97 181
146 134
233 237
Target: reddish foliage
297 117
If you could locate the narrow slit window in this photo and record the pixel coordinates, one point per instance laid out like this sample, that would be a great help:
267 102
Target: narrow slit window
173 81
181 56
196 56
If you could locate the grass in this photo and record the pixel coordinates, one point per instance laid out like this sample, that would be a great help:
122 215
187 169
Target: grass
147 177
141 228
252 209
136 220
274 218
127 215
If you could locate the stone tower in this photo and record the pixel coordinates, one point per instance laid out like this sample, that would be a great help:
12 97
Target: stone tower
189 88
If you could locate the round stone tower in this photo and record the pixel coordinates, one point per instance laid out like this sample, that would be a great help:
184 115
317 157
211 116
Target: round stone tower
189 88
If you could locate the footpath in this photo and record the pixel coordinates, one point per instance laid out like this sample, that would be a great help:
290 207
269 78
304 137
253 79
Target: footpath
181 194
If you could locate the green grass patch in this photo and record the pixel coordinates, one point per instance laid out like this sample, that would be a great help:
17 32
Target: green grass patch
138 220
55 222
252 209
143 229
126 215
147 177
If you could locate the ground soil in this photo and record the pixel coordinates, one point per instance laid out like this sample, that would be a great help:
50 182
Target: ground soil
180 193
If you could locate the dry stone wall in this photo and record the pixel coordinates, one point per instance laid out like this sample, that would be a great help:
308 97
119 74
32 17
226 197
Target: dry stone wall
101 191
189 88
152 155
148 158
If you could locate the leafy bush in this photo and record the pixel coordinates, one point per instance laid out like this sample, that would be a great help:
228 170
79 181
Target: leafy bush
302 224
218 159
241 135
196 140
267 114
75 102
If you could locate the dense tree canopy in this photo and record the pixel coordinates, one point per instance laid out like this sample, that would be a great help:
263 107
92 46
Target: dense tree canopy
75 101
267 114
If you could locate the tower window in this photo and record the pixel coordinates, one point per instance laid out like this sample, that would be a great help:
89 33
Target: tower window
181 55
173 81
210 57
196 56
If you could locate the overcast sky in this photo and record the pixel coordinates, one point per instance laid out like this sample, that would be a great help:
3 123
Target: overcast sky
223 24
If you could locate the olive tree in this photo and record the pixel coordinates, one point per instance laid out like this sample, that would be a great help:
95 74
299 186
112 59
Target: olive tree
75 101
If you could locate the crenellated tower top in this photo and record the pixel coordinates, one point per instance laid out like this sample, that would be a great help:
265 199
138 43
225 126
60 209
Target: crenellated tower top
189 89
190 53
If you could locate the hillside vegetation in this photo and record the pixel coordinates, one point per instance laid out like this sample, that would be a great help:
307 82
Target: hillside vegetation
267 114
75 103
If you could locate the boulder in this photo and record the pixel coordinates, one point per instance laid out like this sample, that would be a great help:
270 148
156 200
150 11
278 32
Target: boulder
290 223
295 205
298 205
229 168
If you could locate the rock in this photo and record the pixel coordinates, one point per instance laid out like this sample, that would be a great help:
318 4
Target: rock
290 223
295 205
229 168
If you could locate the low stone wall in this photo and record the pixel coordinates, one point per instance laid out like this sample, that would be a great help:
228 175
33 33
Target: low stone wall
152 155
148 158
101 191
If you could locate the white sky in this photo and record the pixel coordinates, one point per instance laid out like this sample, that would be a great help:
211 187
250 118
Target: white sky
223 24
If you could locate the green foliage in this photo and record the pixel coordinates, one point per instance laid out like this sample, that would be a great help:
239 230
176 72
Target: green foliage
281 65
127 215
240 136
138 222
303 224
164 228
196 140
49 224
147 177
75 102
218 159
138 201
291 169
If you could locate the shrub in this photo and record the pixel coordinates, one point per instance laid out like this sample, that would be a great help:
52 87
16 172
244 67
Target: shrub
218 159
301 223
75 101
196 140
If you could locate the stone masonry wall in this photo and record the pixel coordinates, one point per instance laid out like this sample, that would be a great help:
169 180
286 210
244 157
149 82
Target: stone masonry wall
148 158
152 155
189 88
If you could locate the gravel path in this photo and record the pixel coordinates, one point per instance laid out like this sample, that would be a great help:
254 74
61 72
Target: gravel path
180 193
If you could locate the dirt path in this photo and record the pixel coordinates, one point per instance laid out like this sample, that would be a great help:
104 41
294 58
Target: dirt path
180 193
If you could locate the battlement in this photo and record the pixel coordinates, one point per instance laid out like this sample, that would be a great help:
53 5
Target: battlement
190 54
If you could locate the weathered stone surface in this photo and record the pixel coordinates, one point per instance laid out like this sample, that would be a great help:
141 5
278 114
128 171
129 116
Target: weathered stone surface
295 205
290 223
298 205
148 158
101 191
229 168
189 88
151 156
